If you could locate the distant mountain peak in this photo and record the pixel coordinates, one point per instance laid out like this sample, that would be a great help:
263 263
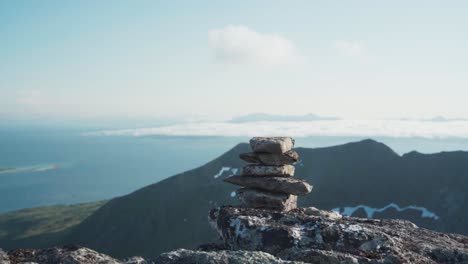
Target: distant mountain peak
412 153
368 146
257 117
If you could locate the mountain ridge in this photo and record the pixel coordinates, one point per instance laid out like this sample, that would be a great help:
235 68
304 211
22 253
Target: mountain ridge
366 172
172 213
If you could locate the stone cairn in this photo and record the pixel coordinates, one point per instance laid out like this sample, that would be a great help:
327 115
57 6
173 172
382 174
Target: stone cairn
268 182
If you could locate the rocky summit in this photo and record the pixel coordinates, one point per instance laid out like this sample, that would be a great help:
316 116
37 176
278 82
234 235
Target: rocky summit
301 235
310 235
269 181
269 228
70 254
184 256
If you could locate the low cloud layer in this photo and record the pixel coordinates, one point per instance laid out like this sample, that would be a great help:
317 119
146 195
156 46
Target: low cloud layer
242 45
366 128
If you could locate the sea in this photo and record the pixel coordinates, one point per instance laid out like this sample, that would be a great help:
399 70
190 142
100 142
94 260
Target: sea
41 166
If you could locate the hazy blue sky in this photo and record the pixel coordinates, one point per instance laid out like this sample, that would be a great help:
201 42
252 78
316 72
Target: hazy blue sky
216 59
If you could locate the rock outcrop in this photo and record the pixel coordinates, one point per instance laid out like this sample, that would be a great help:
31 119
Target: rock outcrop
70 254
314 236
184 256
269 228
302 235
4 259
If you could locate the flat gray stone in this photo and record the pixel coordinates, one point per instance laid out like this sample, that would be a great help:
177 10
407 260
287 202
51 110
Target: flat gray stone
289 157
255 198
288 185
262 170
276 145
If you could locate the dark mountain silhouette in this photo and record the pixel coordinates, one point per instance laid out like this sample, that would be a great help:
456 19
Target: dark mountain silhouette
172 213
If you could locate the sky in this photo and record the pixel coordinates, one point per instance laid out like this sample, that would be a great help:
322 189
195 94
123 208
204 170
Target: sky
218 59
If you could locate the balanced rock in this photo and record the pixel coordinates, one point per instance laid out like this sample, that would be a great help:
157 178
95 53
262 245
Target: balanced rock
261 170
255 198
275 145
289 157
288 185
269 182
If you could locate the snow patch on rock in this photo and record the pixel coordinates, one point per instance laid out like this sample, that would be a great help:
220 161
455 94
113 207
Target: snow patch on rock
223 170
299 163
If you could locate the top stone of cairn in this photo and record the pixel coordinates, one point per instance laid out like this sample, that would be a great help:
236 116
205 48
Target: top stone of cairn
274 145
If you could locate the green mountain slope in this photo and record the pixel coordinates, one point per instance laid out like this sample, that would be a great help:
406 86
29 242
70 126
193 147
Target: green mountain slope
42 226
162 216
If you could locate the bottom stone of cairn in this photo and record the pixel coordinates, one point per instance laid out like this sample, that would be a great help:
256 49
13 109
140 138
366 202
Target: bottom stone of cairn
259 199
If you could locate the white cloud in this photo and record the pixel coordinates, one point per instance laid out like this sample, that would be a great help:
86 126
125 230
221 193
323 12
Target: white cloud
368 128
239 44
349 48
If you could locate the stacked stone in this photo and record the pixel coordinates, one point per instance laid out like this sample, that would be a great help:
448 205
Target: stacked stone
268 182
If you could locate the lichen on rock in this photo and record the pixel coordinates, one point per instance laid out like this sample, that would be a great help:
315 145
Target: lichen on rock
317 236
184 256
